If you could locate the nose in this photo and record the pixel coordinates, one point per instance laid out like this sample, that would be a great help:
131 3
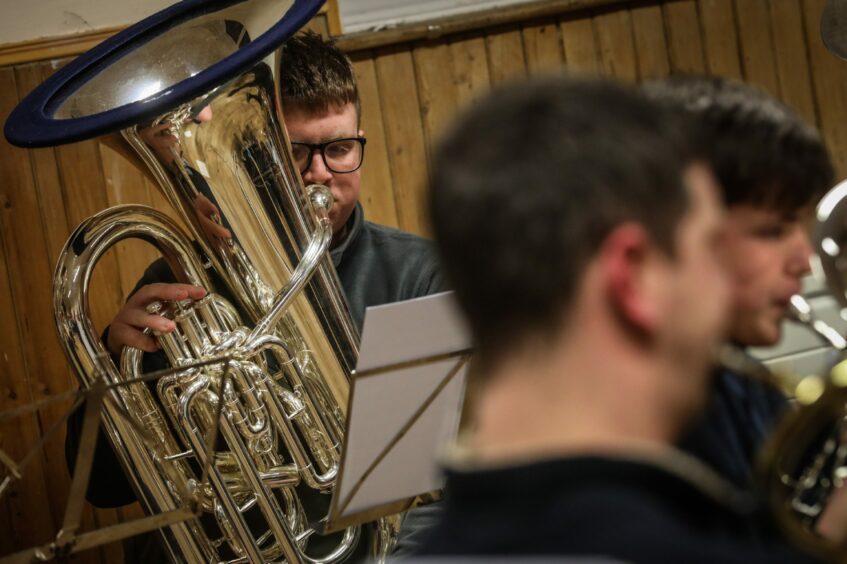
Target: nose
800 252
317 173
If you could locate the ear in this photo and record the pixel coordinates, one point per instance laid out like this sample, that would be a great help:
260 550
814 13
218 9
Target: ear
629 259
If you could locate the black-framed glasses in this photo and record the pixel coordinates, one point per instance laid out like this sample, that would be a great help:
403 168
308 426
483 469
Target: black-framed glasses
339 155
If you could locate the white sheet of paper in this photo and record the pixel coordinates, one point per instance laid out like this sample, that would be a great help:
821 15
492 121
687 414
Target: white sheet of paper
381 404
410 330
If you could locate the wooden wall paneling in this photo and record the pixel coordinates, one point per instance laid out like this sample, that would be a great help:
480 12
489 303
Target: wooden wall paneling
8 376
436 90
505 56
829 75
470 68
56 229
26 502
26 516
757 49
31 278
54 220
543 47
581 51
377 195
685 42
617 45
792 58
720 38
404 134
651 46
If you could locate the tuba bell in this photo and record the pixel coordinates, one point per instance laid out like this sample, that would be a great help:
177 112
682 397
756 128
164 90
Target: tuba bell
247 426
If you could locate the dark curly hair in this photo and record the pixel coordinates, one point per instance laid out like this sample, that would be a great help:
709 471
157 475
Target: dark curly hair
763 153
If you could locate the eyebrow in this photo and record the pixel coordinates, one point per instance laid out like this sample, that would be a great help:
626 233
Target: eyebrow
327 139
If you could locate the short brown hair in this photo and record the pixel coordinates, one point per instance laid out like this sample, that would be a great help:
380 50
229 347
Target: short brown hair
529 183
315 74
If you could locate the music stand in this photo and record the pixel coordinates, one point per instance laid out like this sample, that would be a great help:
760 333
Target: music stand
404 405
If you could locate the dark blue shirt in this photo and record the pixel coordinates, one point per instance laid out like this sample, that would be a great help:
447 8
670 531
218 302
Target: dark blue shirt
631 510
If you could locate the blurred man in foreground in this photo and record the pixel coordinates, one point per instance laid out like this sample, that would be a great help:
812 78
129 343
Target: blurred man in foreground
579 225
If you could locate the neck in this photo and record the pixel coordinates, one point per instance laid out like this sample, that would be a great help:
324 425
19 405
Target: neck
590 392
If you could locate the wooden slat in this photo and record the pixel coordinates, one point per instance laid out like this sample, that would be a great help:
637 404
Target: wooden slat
757 49
31 277
720 38
685 43
581 54
617 46
26 514
46 171
436 91
32 520
505 56
377 195
470 68
404 133
792 58
829 76
332 14
650 44
542 48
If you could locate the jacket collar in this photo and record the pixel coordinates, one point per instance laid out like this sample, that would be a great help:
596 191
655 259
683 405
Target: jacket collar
354 229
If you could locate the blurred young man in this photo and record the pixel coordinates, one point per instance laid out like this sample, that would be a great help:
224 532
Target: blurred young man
772 168
578 226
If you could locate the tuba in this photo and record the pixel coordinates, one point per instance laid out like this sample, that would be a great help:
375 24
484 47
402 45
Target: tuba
246 426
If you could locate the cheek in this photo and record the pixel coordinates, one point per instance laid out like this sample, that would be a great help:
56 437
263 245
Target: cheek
750 273
347 190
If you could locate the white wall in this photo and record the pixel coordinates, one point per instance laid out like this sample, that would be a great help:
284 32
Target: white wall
22 20
358 15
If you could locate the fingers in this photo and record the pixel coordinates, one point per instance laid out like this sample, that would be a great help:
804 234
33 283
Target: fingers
164 292
122 335
130 322
213 228
210 218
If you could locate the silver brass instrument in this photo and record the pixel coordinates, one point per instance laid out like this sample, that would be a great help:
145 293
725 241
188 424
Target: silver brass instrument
193 89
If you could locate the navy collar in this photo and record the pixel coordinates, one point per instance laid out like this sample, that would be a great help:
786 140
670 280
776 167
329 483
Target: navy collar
354 228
